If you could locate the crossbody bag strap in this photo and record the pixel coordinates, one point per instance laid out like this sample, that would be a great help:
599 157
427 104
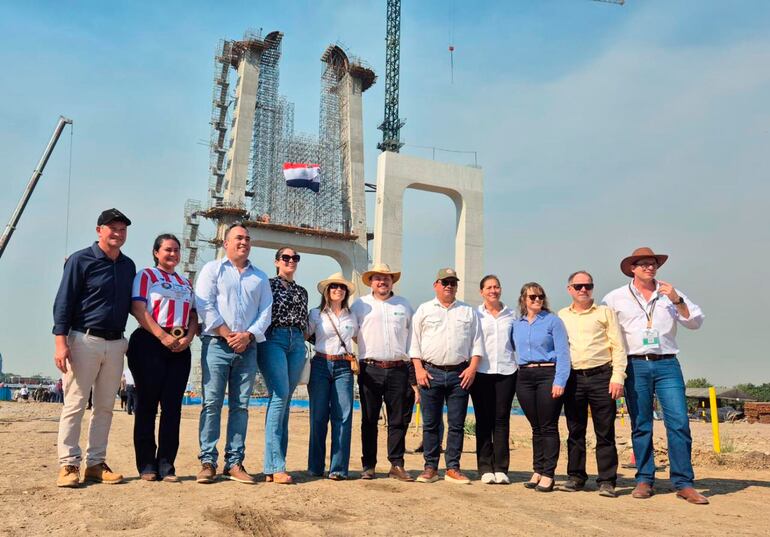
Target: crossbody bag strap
337 332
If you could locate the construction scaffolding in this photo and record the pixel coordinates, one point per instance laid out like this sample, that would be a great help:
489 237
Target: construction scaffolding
190 239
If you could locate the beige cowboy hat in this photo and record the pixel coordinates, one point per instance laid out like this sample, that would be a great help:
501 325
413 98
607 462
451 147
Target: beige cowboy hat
337 277
640 253
379 268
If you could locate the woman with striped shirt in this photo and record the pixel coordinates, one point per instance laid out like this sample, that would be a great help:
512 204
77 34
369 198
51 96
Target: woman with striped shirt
163 303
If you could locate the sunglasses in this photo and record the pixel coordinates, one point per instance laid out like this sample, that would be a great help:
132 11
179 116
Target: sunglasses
652 265
536 297
333 286
581 286
448 282
286 258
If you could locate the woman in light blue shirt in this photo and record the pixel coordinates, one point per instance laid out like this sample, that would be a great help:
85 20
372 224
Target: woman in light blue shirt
542 352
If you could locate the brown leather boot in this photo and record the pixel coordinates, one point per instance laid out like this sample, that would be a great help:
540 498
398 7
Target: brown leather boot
692 496
101 473
69 476
238 473
429 475
398 472
208 474
642 491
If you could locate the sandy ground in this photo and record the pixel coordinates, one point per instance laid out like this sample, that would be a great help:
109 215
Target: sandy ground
737 483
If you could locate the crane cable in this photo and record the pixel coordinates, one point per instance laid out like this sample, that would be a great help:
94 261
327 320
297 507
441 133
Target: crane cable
69 190
451 43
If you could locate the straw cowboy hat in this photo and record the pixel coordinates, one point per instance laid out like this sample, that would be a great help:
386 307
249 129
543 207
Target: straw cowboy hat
337 277
379 268
640 253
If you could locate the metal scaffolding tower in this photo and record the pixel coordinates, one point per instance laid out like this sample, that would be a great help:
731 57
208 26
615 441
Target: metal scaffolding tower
391 125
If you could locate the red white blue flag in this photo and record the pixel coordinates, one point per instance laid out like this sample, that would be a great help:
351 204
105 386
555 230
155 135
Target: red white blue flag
301 175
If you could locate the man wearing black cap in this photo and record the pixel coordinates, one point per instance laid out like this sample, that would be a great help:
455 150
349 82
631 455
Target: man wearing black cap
90 313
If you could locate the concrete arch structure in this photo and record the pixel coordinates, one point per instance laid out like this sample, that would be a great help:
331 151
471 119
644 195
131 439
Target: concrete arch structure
464 185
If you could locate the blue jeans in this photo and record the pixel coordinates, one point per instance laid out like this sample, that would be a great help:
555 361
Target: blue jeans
331 396
444 387
664 379
224 367
281 360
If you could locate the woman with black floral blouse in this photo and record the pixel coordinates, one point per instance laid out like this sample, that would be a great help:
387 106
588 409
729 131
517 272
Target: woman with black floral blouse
281 360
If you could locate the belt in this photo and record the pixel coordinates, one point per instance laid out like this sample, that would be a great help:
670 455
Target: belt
539 364
331 357
651 357
457 367
176 331
385 364
109 335
591 371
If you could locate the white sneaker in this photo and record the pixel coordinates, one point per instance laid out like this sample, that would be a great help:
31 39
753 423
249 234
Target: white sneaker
488 478
501 478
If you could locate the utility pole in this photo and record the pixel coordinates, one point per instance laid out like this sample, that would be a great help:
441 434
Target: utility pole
391 125
11 227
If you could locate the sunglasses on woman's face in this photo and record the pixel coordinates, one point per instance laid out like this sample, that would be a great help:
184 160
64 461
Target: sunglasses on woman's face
333 286
536 297
286 258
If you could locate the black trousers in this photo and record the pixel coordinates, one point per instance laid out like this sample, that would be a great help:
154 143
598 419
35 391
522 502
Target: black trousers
584 392
376 385
533 388
160 377
492 399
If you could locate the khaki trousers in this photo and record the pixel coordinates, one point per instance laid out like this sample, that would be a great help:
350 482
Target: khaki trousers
97 363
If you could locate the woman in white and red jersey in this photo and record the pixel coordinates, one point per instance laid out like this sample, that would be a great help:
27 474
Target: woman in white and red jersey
163 303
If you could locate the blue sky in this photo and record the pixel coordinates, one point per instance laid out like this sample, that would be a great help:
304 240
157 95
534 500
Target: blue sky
599 128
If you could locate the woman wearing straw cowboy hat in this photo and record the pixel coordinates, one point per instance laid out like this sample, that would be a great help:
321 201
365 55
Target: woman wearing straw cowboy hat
648 312
384 321
331 377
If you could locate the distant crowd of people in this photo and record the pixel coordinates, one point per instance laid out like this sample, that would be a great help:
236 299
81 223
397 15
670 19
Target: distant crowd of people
580 359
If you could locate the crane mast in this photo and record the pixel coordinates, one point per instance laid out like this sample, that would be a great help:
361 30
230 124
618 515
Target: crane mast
391 125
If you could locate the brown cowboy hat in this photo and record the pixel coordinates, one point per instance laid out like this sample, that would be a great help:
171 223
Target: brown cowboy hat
640 253
337 277
379 268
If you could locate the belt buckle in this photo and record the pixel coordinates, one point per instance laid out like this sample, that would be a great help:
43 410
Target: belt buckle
177 332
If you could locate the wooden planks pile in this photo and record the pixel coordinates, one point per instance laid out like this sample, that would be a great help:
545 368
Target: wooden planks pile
757 412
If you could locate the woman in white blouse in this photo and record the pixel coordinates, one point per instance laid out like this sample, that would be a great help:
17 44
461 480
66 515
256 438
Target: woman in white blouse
331 377
495 385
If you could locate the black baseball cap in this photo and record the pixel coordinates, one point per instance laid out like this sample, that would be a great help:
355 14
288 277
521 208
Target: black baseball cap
111 215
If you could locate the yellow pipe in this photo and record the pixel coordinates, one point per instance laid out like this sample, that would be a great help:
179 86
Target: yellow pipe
714 419
417 417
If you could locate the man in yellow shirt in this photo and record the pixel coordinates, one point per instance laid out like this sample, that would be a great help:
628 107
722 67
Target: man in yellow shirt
595 381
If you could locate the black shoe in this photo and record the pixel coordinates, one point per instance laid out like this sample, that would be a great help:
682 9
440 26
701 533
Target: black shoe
572 485
549 488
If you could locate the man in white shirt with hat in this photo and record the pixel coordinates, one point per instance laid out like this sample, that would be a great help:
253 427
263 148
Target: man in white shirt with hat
385 321
648 312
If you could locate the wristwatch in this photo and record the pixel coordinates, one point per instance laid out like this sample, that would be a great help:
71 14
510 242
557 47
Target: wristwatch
679 302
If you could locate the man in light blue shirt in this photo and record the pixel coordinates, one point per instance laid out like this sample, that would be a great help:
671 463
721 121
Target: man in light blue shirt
234 302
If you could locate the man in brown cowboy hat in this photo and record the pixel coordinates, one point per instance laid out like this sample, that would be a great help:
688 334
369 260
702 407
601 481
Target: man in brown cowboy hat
384 321
648 312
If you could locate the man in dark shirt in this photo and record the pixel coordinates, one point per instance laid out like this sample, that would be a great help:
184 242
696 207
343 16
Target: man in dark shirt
90 313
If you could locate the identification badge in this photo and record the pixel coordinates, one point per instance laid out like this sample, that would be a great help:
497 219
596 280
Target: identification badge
650 339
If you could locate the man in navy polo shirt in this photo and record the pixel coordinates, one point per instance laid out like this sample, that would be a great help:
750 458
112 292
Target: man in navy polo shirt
90 313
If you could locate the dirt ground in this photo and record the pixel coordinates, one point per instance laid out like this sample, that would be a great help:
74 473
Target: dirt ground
737 483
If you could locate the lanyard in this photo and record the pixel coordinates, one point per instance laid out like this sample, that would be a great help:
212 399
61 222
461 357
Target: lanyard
646 313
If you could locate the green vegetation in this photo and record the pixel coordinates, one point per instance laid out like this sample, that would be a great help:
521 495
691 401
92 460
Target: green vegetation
470 427
759 392
701 382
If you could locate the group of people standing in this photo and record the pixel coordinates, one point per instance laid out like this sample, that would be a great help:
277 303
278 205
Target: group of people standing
442 353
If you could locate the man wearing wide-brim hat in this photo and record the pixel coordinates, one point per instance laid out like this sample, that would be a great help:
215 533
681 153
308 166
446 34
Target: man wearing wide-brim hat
384 321
649 311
